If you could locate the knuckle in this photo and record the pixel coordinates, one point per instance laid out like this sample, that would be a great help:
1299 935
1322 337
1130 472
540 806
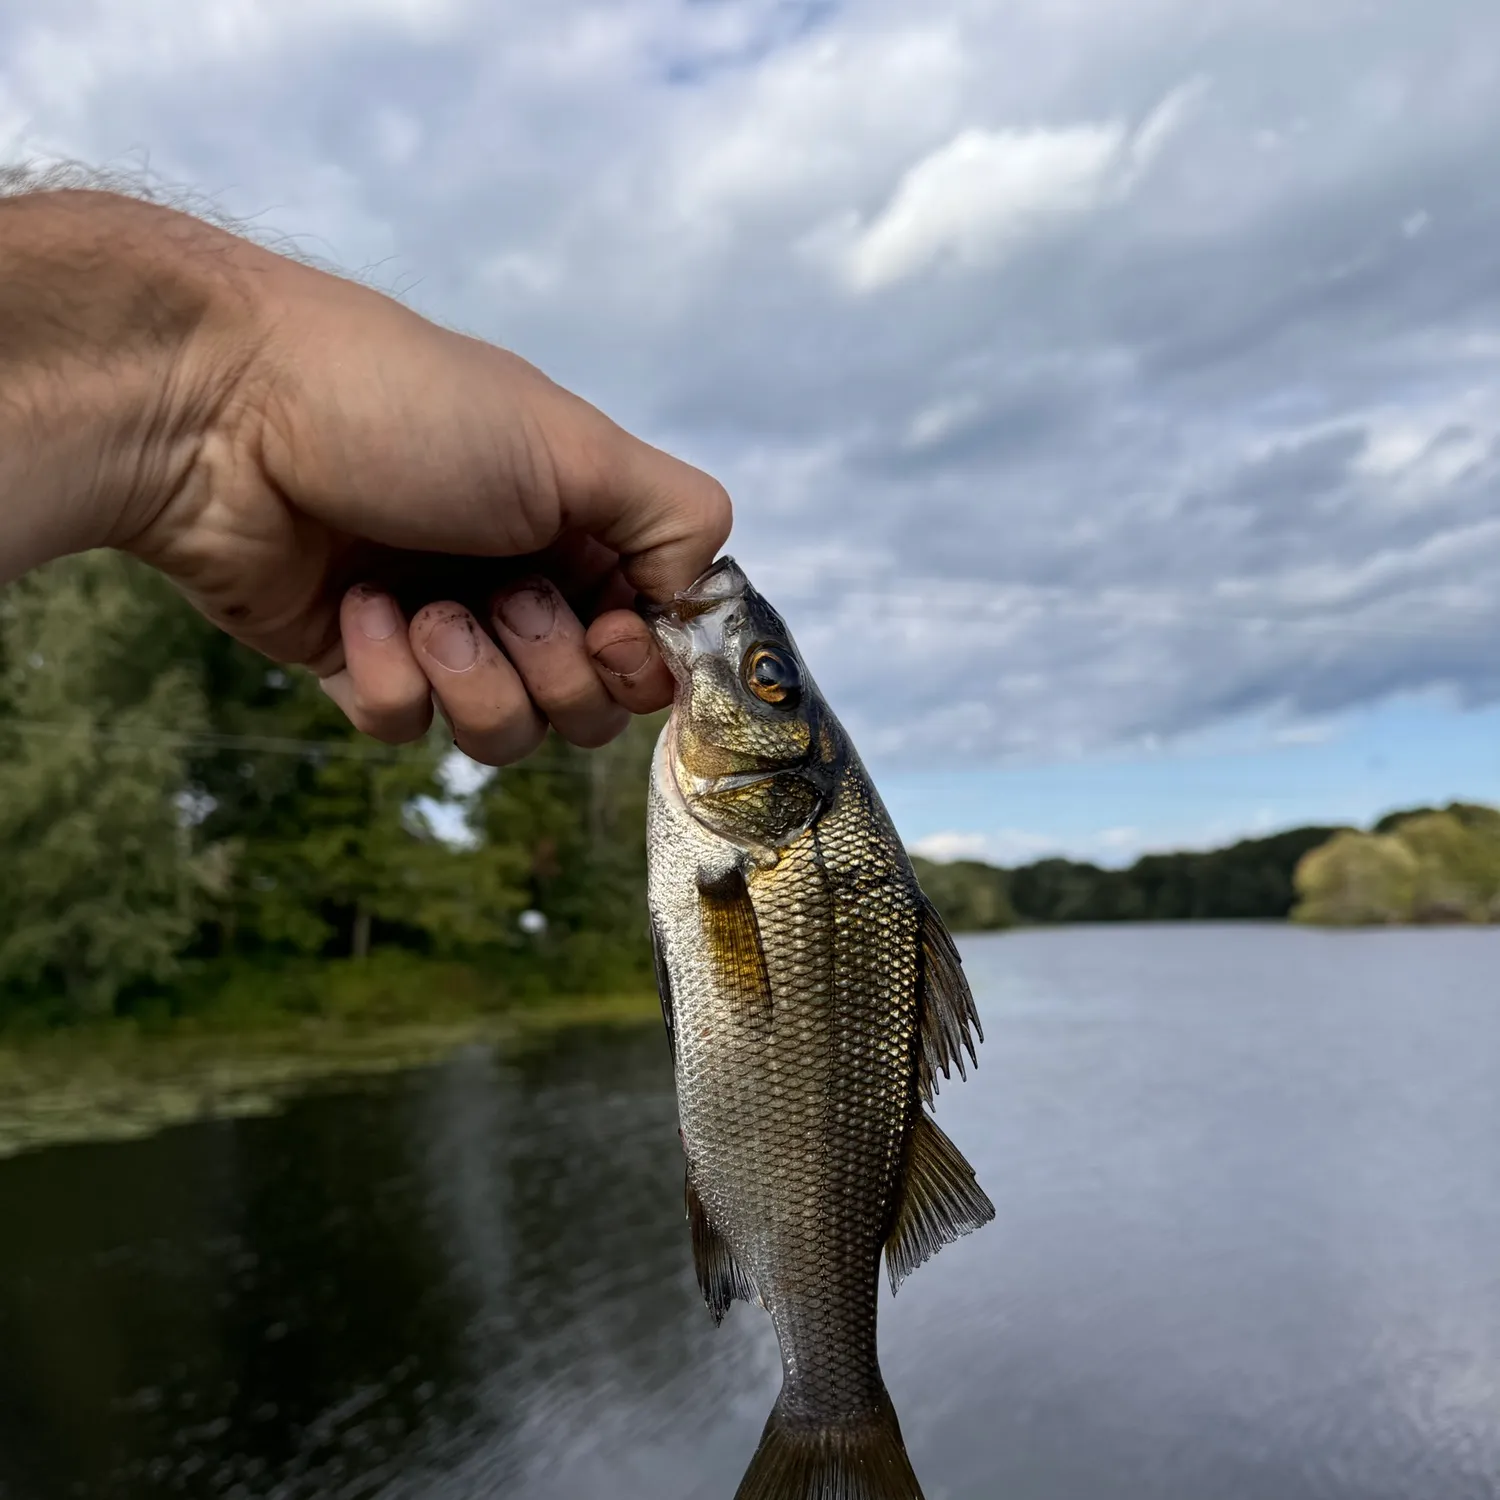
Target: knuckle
494 719
504 744
391 708
595 731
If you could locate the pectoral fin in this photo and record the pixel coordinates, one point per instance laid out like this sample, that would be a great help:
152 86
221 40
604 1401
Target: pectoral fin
732 936
941 1201
664 985
949 1019
719 1276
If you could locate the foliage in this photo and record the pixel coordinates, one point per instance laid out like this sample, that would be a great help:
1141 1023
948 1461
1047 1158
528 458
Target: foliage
189 829
194 837
103 883
1250 879
970 895
1417 866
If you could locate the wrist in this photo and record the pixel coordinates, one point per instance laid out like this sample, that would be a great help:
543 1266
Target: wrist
122 326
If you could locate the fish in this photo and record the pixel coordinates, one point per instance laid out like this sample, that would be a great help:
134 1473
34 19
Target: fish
813 998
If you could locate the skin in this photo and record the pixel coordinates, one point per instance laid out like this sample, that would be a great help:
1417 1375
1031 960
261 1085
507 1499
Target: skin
334 480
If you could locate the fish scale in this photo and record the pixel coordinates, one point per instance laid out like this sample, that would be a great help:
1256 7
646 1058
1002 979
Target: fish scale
813 998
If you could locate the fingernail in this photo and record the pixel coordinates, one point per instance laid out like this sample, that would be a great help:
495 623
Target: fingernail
529 611
624 657
452 645
377 618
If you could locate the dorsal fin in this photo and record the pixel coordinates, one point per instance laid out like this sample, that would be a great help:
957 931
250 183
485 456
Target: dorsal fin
732 936
719 1275
941 1201
949 1019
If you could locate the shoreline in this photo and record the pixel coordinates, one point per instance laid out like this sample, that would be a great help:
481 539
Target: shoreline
119 1083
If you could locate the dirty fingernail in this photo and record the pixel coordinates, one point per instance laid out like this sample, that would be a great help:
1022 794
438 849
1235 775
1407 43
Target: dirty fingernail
377 617
529 611
452 645
624 657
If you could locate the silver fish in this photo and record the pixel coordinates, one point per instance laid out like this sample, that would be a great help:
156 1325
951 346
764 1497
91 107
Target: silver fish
812 996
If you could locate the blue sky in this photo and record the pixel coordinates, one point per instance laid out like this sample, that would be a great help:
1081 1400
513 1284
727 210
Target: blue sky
1109 809
1110 391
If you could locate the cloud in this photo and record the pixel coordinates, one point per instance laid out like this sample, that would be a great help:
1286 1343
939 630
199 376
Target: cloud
951 845
987 192
1115 846
1087 377
980 194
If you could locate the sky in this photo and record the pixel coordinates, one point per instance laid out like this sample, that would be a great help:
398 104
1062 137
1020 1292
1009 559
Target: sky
1109 389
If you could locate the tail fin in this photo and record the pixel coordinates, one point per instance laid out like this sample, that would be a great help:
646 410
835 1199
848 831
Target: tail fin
864 1459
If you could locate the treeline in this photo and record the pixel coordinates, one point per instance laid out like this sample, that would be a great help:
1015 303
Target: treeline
1253 879
1421 866
176 813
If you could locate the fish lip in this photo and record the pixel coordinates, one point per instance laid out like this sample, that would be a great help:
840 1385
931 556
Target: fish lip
695 596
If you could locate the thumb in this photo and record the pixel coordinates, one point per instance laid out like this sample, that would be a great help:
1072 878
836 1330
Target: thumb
666 519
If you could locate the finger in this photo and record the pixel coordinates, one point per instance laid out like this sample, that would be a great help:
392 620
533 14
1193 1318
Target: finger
544 639
628 662
381 689
616 593
482 696
666 519
580 567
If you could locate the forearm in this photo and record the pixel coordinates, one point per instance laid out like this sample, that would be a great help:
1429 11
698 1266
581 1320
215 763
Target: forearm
111 318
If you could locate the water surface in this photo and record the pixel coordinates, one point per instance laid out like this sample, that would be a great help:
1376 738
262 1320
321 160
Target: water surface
1248 1247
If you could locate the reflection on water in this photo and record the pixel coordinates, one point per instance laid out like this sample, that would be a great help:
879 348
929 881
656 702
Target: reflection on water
1248 1245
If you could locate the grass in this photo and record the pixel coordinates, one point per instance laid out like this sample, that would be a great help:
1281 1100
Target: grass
255 1039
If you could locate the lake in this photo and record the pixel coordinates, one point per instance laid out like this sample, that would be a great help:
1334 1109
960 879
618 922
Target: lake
1247 1248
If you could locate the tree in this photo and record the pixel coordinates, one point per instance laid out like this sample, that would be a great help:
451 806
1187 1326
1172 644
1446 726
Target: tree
971 895
575 823
1357 880
103 880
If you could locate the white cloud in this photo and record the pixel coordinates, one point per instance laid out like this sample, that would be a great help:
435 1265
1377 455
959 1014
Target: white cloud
980 195
950 846
987 191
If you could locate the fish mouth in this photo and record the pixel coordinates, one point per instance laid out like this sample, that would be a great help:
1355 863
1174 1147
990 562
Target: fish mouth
722 582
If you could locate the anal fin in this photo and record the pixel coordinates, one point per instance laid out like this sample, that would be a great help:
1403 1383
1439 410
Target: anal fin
719 1275
941 1201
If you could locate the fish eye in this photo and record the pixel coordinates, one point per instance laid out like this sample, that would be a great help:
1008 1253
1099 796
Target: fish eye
772 676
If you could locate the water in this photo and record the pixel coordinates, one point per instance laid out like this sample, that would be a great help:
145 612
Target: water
1248 1248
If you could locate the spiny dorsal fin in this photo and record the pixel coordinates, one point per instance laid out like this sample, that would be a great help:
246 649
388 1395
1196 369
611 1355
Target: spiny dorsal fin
949 1019
719 1274
732 934
664 985
941 1201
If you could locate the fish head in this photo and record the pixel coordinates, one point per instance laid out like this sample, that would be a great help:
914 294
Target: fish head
752 746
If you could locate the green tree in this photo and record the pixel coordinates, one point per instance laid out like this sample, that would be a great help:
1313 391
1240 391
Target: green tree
574 822
103 882
971 895
1458 865
1357 880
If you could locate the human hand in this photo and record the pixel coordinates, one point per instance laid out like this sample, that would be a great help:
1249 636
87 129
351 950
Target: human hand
411 513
